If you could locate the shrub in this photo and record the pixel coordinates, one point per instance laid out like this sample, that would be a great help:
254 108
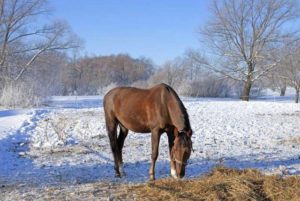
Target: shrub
19 94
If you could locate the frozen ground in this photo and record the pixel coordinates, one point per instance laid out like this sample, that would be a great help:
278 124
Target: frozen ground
65 142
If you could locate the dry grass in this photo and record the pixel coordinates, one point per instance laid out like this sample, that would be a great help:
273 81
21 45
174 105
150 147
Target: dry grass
223 184
291 141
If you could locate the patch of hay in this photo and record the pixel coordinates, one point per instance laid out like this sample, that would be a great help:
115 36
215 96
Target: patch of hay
223 184
291 141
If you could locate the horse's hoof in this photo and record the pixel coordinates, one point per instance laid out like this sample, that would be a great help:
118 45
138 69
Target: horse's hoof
174 176
152 178
118 175
123 174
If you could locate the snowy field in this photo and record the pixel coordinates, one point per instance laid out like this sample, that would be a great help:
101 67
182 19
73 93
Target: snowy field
65 142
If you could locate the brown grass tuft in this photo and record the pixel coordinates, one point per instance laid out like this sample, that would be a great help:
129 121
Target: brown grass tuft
291 141
223 184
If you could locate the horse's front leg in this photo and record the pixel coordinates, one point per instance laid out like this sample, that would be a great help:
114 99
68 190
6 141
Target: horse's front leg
155 138
171 138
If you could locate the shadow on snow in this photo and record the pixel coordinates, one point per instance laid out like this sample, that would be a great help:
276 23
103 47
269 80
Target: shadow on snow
17 168
75 103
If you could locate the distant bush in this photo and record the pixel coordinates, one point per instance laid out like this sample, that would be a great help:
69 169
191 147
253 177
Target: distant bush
109 87
19 94
140 84
207 86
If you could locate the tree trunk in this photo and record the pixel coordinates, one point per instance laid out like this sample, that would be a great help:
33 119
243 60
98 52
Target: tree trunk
246 91
297 96
282 90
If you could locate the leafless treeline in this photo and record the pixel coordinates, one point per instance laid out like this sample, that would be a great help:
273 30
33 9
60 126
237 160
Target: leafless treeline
249 44
92 75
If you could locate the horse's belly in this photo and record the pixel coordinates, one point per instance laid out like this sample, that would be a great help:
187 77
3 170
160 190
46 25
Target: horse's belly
136 126
135 123
140 130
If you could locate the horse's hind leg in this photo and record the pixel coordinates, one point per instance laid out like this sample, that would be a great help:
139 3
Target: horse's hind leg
111 127
121 138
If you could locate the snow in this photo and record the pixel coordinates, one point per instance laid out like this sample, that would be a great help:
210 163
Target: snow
65 142
11 120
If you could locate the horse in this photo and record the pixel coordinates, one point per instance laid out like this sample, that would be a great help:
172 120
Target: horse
156 110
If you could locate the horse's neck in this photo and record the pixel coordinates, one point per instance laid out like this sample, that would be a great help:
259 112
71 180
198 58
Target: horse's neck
177 114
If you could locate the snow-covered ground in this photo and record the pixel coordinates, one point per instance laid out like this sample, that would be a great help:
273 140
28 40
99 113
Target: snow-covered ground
65 142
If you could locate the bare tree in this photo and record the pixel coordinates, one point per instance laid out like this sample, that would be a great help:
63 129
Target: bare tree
244 36
275 81
48 73
30 47
22 40
290 69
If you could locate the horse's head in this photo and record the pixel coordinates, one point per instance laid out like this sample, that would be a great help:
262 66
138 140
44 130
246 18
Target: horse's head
181 152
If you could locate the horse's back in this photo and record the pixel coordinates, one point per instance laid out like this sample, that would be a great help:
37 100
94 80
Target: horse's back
123 95
128 93
137 109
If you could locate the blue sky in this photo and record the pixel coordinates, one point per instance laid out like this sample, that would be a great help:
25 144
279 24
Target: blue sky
158 29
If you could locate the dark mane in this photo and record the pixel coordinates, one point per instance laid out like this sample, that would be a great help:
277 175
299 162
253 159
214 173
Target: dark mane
184 113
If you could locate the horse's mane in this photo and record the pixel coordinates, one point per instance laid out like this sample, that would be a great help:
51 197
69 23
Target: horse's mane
184 116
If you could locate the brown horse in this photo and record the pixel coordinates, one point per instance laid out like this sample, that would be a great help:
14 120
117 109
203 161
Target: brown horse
154 110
